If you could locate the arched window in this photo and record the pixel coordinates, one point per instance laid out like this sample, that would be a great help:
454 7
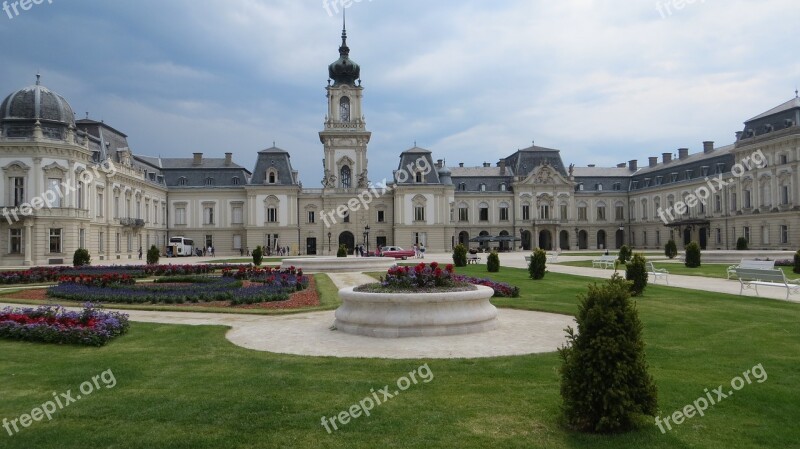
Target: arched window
272 178
346 177
344 109
235 181
482 187
503 187
462 186
418 177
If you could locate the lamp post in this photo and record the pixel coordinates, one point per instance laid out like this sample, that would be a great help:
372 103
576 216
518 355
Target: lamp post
366 237
329 242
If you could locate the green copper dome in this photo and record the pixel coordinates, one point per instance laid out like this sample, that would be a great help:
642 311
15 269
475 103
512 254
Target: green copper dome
344 70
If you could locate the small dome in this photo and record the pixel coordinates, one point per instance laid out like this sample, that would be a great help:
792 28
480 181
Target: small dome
21 110
445 171
344 70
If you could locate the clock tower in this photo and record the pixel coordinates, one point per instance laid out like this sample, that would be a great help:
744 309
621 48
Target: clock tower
345 136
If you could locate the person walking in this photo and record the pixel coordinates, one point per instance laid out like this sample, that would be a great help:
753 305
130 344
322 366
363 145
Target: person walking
140 253
421 251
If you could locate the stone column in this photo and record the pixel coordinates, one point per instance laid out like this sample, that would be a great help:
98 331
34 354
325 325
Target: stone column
28 244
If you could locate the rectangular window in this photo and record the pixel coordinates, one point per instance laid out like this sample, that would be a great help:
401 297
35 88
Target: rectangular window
717 203
644 238
208 215
544 212
80 195
484 214
346 218
54 185
180 216
463 214
237 241
601 213
116 207
102 242
237 215
658 238
526 212
55 241
719 236
747 198
130 242
503 214
564 212
619 213
381 216
419 213
582 215
784 159
82 238
784 234
100 204
118 243
272 215
784 195
127 208
15 241
734 203
765 235
312 217
746 233
18 189
147 213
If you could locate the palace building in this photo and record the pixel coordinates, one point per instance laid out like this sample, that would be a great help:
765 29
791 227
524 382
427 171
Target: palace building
527 199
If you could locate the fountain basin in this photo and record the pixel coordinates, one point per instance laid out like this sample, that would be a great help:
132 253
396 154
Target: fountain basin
395 315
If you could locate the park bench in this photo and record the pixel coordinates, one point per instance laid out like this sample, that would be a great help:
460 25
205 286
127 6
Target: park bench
473 258
604 262
657 272
746 263
552 257
751 278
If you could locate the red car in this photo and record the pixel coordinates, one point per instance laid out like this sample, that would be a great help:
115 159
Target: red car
397 252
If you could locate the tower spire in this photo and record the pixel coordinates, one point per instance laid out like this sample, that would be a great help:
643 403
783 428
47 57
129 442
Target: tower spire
344 50
38 78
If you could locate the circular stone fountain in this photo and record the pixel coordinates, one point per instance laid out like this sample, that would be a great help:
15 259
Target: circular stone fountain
340 264
392 315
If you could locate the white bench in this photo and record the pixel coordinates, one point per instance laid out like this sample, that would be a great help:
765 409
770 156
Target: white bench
746 263
605 262
657 272
751 278
552 257
473 258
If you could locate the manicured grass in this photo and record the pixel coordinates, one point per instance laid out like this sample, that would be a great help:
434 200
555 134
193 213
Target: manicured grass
188 387
328 298
711 270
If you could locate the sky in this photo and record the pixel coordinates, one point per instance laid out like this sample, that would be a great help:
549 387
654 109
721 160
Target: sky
604 81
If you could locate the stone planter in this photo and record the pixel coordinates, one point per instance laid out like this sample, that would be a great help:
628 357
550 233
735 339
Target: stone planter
393 315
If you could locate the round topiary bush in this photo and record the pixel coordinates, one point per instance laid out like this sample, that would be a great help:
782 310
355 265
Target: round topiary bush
636 272
538 266
671 249
493 262
258 256
342 251
153 255
796 268
81 258
692 255
741 244
460 255
601 393
624 254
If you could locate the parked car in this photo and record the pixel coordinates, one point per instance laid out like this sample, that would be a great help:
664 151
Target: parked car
397 252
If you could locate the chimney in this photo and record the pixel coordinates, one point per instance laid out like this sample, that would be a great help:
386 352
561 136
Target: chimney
683 153
228 159
439 163
486 165
198 159
708 147
653 161
592 165
621 165
667 157
502 165
739 135
633 165
461 164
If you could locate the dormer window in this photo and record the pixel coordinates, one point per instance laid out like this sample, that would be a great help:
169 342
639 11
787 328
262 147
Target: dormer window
462 186
617 186
271 177
482 187
235 180
503 187
659 180
598 187
689 174
674 177
418 177
183 181
704 170
209 181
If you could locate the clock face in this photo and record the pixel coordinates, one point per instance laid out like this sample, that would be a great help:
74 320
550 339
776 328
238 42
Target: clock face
344 111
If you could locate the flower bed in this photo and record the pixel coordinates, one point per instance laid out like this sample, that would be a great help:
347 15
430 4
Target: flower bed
54 324
104 280
419 276
501 289
53 274
291 279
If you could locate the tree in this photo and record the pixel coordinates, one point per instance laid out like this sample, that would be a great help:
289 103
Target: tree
624 254
460 255
493 262
605 384
258 256
538 266
692 255
671 249
636 273
342 251
797 262
153 254
741 244
81 258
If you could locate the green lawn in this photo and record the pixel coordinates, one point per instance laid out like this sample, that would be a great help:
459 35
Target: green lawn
711 270
188 387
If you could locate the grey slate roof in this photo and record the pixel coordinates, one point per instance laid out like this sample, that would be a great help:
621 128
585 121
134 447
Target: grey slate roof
412 158
781 117
280 160
526 160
